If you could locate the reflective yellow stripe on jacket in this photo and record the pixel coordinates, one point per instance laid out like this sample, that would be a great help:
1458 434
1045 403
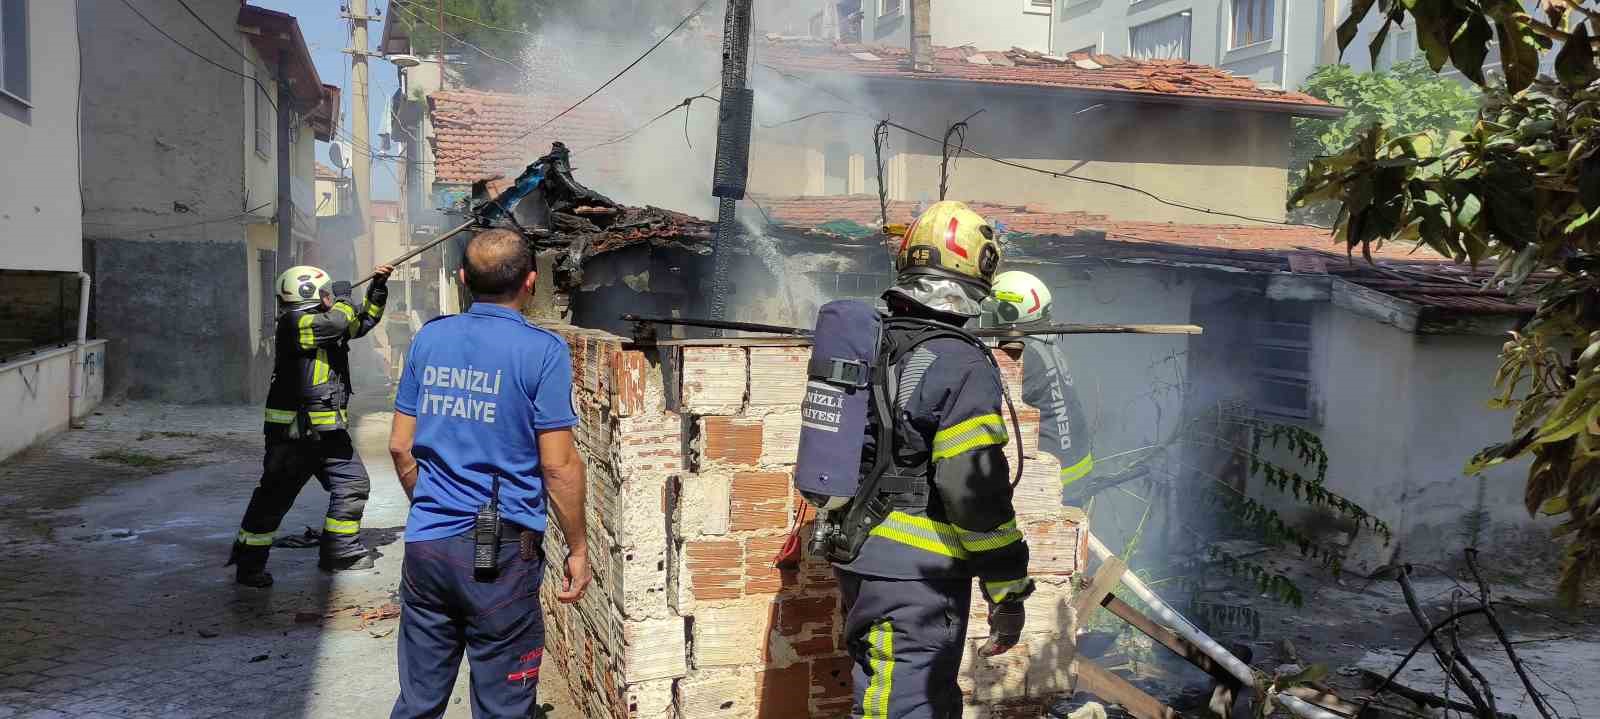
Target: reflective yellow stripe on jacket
308 336
375 311
1004 535
326 418
921 533
320 368
1003 590
880 659
1077 471
280 416
981 431
351 325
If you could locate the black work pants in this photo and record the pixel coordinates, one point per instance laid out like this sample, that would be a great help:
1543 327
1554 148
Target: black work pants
287 465
906 637
444 612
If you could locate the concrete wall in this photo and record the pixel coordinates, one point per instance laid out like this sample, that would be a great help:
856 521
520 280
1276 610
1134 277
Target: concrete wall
1285 61
987 25
1232 161
35 395
40 214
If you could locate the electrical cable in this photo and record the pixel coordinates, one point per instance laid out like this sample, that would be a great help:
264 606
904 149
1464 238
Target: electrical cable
485 25
685 21
945 161
687 103
267 95
417 18
179 227
214 32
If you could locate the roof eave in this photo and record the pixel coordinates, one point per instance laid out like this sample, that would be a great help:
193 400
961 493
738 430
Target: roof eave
1219 103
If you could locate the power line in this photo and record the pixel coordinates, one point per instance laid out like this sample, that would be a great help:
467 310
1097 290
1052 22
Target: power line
685 21
196 223
686 104
197 54
417 18
1109 183
483 24
214 32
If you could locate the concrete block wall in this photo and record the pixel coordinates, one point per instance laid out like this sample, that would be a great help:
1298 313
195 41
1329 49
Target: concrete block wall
689 453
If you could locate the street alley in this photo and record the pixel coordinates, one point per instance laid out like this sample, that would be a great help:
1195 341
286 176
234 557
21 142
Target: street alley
114 601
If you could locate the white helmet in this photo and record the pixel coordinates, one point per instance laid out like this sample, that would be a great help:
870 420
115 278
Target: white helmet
302 283
1021 297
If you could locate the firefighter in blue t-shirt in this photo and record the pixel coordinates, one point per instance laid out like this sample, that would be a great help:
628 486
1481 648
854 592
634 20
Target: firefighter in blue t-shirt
485 401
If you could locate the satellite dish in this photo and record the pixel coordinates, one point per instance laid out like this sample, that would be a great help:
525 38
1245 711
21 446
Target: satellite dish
403 61
339 154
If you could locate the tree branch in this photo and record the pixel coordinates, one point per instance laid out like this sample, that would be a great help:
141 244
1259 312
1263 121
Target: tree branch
1426 638
1446 662
1539 702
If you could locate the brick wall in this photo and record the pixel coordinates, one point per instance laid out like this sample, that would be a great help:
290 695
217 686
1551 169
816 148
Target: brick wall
689 453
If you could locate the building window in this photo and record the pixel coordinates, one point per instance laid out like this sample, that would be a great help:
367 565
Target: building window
1164 39
1085 50
836 169
14 48
1252 21
1398 49
263 124
1282 354
890 7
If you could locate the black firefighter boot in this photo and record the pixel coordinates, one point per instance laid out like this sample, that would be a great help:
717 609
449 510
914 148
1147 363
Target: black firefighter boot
252 566
346 564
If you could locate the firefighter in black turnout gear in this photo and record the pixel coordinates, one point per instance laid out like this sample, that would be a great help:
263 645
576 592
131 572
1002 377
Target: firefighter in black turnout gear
1023 301
933 508
306 425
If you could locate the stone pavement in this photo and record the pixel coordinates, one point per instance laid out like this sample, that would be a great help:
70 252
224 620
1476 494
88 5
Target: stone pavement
114 601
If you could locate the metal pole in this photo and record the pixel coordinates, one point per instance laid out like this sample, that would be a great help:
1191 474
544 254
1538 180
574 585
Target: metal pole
286 253
1219 654
733 146
360 127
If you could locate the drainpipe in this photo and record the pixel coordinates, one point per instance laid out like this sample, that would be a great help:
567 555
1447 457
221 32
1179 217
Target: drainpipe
1177 623
76 393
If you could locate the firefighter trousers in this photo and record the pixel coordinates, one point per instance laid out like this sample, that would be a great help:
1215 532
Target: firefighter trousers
905 637
286 466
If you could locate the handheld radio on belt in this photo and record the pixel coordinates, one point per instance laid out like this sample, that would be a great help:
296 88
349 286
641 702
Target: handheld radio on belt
486 537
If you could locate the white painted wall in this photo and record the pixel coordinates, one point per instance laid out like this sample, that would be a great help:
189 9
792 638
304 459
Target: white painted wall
992 25
1401 415
40 214
33 399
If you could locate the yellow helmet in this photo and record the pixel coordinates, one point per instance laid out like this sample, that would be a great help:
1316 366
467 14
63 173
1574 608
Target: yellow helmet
950 240
1020 297
302 283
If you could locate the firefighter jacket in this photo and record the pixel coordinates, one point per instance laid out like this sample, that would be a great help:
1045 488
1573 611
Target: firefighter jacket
311 367
1063 427
949 483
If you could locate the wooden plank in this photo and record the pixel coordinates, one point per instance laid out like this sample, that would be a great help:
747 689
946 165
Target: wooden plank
1167 638
1323 699
1094 679
1105 582
724 342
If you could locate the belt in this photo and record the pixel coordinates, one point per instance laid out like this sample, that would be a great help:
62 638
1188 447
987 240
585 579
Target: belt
511 532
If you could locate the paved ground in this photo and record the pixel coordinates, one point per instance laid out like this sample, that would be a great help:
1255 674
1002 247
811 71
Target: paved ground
114 601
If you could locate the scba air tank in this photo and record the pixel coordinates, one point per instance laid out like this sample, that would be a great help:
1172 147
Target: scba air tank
833 415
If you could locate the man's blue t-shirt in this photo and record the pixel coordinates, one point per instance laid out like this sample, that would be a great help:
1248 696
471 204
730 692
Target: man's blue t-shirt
480 384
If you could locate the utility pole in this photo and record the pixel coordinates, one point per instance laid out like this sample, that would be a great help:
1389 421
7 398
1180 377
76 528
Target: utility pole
287 257
733 146
359 128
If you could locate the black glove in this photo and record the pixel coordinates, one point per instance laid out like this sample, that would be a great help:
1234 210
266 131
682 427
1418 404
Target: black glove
380 280
1005 628
341 290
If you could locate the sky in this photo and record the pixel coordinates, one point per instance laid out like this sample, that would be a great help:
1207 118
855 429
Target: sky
327 34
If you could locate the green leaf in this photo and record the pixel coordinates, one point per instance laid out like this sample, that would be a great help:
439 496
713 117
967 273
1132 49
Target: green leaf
1313 673
1519 53
1575 64
1376 46
1470 46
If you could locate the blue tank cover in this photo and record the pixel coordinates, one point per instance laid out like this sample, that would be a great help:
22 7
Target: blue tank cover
833 415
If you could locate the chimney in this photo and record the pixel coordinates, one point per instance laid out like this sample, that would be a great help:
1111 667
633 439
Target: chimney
922 35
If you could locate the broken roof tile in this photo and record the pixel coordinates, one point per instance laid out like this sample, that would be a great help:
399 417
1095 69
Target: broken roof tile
1175 79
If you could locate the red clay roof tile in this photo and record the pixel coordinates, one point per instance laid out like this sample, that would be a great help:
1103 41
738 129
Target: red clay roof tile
481 134
1165 79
